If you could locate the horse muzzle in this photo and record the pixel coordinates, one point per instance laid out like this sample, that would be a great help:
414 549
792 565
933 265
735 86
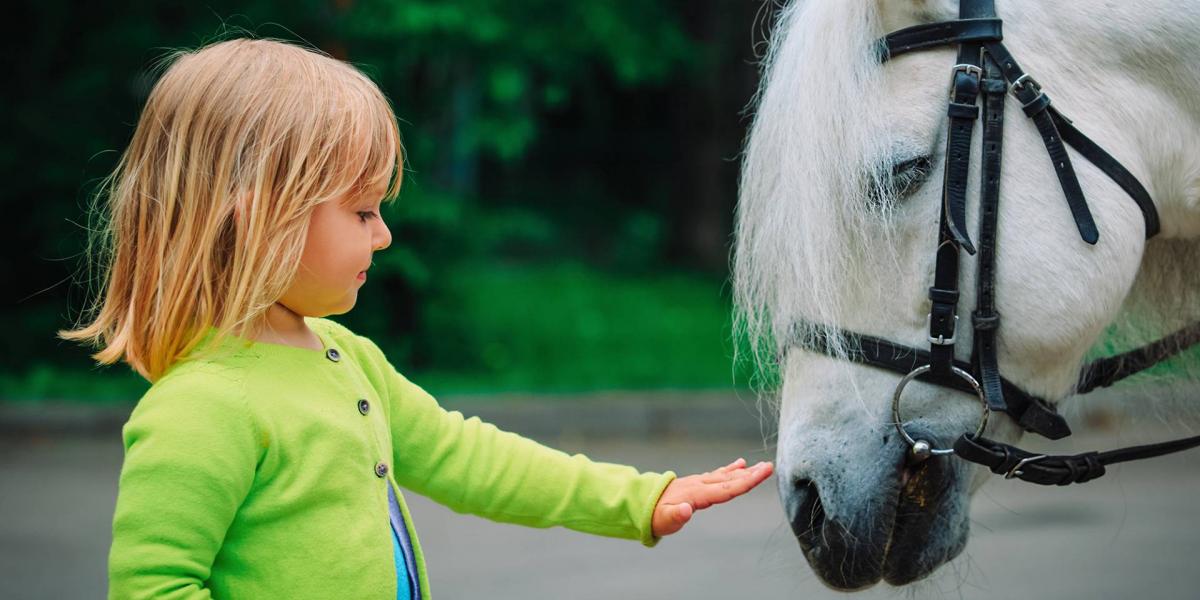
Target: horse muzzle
900 527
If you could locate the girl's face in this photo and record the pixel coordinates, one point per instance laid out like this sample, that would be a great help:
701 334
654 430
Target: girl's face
342 236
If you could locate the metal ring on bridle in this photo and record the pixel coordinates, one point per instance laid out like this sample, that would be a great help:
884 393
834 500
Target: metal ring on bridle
922 449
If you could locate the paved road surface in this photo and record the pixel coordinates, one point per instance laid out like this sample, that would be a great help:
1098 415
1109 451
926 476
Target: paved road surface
1133 534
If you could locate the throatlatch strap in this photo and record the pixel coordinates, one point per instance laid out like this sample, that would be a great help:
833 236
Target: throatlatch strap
1036 103
1107 371
1109 165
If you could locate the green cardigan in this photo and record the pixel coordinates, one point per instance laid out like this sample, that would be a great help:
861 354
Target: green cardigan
258 471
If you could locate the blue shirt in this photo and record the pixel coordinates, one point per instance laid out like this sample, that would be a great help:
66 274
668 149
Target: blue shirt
402 552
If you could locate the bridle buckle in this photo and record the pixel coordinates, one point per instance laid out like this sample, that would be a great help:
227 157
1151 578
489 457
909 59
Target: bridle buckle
1022 81
941 340
1016 470
964 68
1018 86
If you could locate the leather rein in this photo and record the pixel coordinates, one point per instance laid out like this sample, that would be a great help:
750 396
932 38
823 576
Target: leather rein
985 74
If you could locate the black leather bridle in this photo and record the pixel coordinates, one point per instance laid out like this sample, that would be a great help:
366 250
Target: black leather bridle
986 68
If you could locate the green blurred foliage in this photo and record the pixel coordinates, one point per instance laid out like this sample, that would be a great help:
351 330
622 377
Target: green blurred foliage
576 328
519 328
491 67
554 151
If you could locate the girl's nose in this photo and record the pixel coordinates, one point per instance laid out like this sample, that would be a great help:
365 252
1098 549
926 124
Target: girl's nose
383 237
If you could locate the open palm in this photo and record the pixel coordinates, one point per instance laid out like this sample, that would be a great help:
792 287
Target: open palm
686 495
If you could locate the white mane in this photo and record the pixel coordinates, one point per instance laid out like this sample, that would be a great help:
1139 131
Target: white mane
803 218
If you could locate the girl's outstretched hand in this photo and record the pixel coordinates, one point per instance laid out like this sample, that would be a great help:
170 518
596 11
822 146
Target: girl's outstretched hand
686 495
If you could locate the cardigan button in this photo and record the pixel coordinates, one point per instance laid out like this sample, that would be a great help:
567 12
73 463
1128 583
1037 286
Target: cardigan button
333 354
381 469
363 406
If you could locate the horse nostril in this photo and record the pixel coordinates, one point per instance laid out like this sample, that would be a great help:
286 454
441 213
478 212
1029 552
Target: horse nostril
808 515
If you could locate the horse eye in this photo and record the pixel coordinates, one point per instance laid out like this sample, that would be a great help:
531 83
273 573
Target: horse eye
904 178
907 176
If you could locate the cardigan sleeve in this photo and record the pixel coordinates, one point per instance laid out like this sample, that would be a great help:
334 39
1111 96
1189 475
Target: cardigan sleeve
474 467
190 455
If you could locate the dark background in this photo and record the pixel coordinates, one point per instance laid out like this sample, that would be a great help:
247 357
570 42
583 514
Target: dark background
565 218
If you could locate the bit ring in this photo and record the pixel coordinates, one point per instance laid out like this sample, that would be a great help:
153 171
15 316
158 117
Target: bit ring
922 449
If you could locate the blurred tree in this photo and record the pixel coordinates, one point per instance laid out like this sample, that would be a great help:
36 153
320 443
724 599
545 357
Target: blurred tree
600 130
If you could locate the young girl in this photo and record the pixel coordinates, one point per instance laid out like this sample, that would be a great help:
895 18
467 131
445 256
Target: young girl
266 459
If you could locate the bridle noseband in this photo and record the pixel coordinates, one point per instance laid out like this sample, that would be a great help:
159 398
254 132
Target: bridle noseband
985 73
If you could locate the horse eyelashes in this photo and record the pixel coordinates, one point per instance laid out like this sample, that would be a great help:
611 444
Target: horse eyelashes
900 181
908 175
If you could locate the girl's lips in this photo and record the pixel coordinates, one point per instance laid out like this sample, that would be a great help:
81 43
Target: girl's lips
362 275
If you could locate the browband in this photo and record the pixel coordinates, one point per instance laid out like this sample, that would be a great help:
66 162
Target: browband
932 35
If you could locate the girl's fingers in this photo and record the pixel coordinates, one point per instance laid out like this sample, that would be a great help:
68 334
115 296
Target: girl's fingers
737 464
735 484
735 469
724 473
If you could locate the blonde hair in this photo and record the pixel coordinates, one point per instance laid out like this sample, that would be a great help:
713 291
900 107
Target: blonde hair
208 209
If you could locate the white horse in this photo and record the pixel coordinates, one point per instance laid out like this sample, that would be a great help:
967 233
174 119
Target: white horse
837 227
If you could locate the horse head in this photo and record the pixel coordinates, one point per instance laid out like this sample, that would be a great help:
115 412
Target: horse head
843 188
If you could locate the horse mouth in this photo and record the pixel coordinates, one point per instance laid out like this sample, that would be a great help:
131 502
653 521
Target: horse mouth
919 543
910 539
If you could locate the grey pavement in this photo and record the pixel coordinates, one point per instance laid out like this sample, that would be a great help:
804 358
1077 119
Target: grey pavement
1132 534
646 415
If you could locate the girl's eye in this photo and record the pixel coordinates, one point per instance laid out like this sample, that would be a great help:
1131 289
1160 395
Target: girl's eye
363 215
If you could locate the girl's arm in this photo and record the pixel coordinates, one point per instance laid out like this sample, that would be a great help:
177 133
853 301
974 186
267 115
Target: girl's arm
190 455
474 467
